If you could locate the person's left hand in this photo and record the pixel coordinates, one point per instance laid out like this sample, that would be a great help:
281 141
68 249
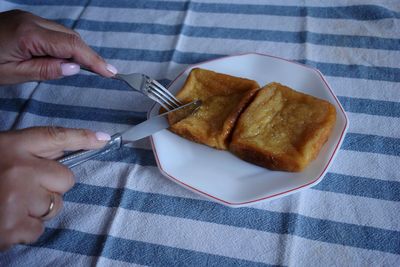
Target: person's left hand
35 49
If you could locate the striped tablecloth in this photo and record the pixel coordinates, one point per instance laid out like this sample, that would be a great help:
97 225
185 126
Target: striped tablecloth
122 211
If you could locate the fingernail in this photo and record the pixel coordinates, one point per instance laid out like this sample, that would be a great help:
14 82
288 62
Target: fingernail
103 136
111 69
68 69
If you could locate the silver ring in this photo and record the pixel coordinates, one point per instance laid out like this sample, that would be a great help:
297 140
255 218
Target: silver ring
51 206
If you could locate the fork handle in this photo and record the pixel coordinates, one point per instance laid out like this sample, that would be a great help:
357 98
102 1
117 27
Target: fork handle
81 156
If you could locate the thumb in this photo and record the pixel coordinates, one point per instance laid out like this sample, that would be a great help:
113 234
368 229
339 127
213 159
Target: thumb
50 142
37 69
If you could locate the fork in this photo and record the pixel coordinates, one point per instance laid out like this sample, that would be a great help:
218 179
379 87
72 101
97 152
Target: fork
150 88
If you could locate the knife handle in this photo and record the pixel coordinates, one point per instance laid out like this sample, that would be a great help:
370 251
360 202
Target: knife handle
81 156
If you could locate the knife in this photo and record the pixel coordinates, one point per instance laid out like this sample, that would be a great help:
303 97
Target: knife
134 133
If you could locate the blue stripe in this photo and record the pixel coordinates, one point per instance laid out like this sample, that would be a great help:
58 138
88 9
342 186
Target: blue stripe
268 221
130 250
372 107
90 81
142 157
372 144
360 186
300 37
356 12
96 82
356 71
71 112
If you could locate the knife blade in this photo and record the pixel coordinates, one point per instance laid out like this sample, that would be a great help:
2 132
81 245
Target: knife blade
159 122
139 131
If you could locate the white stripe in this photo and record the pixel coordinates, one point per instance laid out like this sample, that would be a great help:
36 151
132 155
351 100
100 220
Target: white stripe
149 180
147 41
208 238
106 262
367 89
368 165
373 124
134 15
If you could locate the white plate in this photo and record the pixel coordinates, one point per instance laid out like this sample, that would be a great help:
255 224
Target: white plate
223 177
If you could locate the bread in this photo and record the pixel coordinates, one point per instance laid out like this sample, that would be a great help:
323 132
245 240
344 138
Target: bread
282 129
223 99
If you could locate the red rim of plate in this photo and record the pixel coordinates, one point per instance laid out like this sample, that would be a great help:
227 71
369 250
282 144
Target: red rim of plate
273 195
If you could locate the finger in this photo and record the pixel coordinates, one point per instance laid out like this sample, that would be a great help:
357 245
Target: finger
38 202
53 176
43 141
70 46
53 210
37 69
27 231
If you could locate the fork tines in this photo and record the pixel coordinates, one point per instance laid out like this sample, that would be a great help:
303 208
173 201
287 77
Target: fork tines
162 95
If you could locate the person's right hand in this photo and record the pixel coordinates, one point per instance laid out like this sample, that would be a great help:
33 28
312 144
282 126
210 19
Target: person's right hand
36 49
29 176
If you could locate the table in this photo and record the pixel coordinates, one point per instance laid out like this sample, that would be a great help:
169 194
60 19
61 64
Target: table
122 211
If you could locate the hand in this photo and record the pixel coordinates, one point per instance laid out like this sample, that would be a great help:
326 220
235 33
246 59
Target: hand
33 48
29 176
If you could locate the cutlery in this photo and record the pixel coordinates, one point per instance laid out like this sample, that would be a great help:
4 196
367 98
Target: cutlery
134 133
149 87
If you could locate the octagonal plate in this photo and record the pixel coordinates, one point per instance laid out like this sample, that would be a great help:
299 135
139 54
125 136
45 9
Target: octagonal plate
221 176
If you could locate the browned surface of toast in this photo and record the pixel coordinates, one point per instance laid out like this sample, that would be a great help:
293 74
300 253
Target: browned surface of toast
282 129
223 99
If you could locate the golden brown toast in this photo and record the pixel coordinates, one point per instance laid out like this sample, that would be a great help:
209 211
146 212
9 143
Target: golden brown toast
223 99
282 129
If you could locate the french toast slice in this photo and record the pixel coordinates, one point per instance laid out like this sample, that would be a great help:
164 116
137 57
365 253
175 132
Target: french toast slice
223 99
282 129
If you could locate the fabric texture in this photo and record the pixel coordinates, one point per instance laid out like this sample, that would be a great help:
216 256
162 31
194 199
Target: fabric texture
122 211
